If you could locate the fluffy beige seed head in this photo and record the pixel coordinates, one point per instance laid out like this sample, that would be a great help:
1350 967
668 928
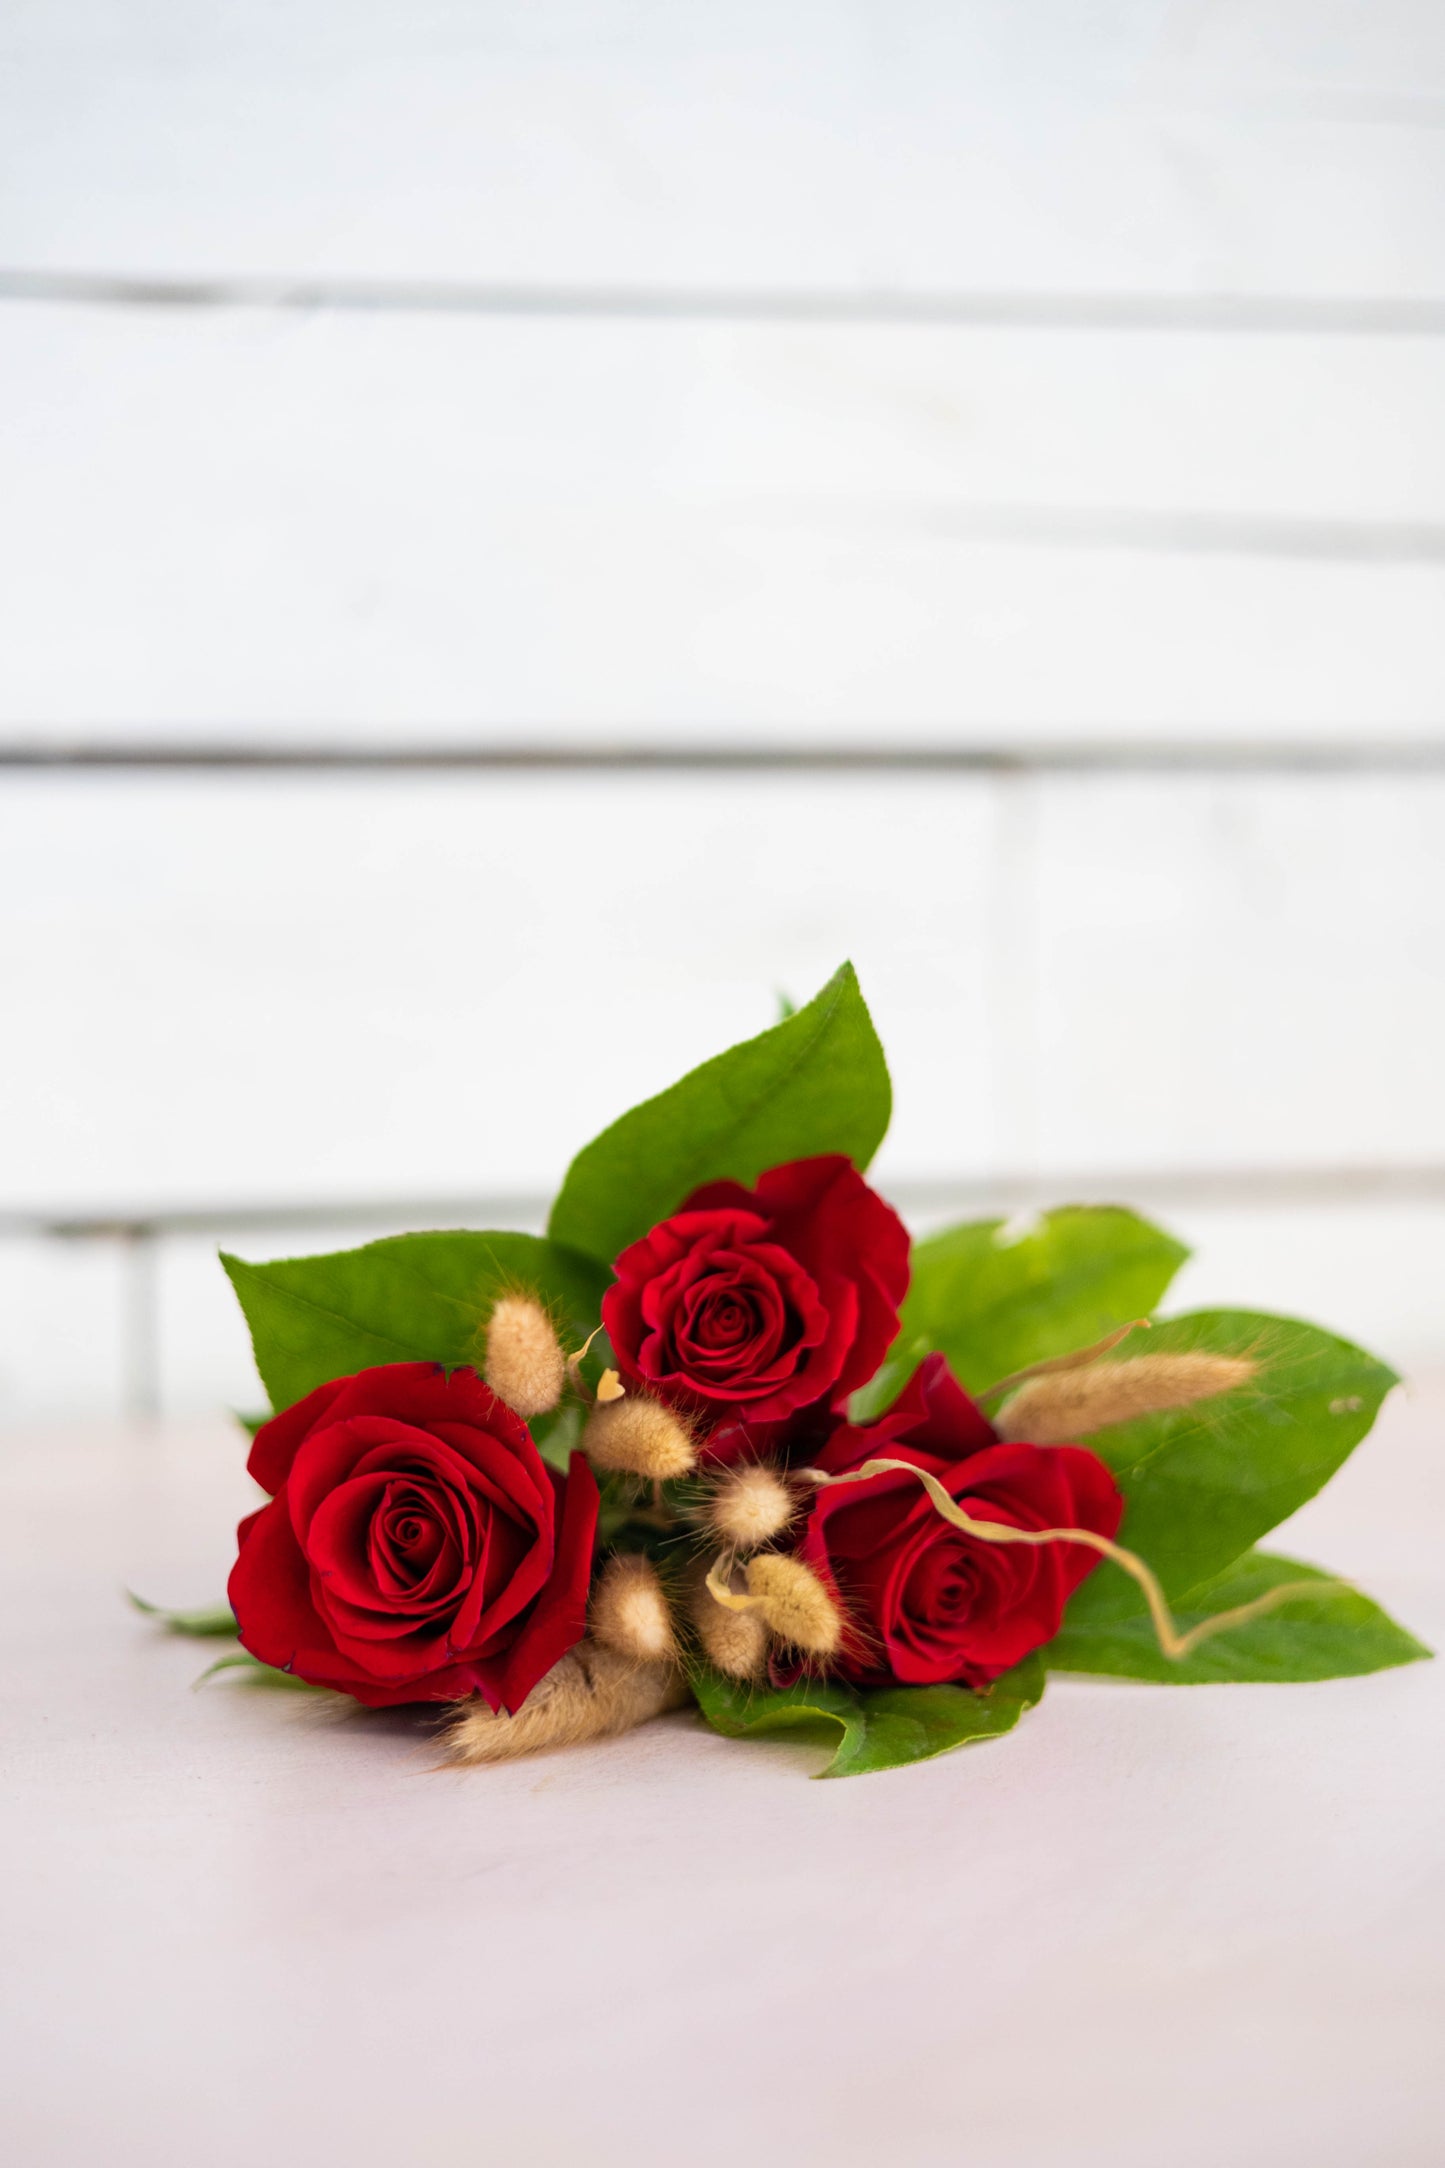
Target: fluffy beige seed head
592 1693
748 1506
734 1642
637 1436
795 1603
525 1365
1075 1403
630 1611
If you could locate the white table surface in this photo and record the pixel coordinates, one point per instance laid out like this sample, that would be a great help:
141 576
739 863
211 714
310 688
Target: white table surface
1155 1928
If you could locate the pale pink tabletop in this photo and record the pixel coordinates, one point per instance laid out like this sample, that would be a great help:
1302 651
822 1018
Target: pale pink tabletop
1154 1929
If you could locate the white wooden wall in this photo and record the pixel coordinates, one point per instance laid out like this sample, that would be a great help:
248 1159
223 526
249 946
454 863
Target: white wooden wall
930 374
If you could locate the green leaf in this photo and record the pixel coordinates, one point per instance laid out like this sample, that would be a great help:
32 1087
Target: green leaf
816 1082
410 1298
993 1299
1334 1635
904 1724
1202 1484
887 1382
250 1671
210 1621
557 1434
880 1728
815 1711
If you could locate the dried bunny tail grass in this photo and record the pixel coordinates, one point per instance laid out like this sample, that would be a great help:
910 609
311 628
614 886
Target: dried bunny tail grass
749 1505
525 1365
1074 1403
734 1642
593 1693
1173 1644
1051 1409
630 1612
795 1603
637 1436
792 1600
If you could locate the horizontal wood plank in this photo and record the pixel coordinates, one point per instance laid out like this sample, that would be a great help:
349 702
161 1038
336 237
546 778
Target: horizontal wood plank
446 985
231 991
1253 147
1225 964
220 526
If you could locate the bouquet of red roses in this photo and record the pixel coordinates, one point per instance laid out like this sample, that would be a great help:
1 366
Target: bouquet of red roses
725 1435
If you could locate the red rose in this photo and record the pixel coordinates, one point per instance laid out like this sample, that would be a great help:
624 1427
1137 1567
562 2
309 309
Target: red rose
928 1603
417 1547
749 1305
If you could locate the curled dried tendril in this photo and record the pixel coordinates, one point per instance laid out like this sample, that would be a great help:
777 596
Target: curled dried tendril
1173 1644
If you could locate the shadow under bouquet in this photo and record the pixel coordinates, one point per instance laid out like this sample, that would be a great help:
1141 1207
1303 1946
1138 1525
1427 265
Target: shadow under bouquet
724 1435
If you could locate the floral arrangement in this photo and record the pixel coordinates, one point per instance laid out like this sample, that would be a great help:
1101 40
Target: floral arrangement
724 1435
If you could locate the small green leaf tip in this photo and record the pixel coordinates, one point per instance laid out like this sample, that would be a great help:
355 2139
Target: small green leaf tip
250 1671
204 1623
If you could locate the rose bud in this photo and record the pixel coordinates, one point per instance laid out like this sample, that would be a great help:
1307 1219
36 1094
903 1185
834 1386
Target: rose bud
525 1365
794 1603
754 1309
748 1506
637 1436
630 1612
734 1642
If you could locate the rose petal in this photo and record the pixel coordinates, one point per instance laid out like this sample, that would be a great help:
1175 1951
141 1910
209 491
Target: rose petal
270 1592
275 1444
560 1618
